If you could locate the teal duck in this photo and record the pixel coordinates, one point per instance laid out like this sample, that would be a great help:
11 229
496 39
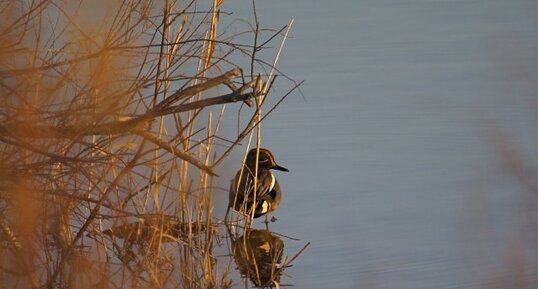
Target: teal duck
268 193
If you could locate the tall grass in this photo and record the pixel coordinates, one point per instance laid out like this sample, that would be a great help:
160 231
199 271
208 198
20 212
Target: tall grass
111 136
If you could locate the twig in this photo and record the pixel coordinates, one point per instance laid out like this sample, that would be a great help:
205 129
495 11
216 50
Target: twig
184 156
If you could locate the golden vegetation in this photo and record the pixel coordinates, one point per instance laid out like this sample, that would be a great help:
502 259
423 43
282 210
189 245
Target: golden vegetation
111 134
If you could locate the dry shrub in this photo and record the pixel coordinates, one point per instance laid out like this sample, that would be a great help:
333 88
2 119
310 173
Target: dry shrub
111 115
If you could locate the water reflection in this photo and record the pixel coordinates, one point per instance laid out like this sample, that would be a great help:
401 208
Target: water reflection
258 255
215 253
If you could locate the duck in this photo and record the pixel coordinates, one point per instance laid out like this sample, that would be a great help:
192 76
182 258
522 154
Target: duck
268 192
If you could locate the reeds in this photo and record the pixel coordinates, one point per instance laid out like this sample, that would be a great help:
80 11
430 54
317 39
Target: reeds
111 136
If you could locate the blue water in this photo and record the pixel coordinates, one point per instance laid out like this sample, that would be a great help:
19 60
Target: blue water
396 177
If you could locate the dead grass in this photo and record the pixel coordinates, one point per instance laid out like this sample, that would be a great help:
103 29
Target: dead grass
111 136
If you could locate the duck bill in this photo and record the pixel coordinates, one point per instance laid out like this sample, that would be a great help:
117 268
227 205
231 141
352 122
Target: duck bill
279 168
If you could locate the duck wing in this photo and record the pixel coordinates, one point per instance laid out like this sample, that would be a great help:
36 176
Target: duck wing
266 185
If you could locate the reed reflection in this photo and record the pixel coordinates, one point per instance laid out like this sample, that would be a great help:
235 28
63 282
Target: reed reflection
151 243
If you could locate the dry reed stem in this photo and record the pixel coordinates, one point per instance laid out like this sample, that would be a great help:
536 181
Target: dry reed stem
102 115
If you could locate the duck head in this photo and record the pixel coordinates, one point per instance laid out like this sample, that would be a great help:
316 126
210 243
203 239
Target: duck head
266 160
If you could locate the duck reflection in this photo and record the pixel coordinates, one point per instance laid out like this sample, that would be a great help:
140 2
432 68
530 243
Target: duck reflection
258 255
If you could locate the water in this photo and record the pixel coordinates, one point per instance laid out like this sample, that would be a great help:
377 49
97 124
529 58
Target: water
394 175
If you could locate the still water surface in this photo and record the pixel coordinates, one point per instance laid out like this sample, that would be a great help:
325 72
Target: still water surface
394 177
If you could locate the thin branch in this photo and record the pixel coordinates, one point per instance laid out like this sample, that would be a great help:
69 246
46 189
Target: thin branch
184 156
